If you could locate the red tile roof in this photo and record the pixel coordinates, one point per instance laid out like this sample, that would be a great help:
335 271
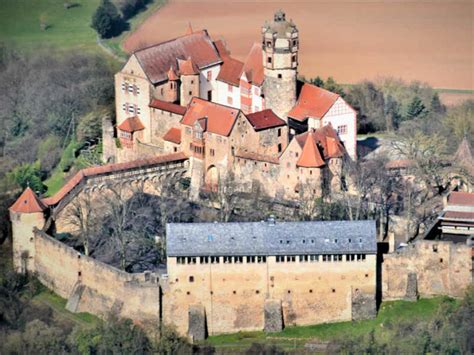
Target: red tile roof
28 202
107 169
230 72
461 198
265 119
172 75
156 60
187 67
173 135
310 156
253 65
258 157
326 138
466 216
312 102
167 106
131 124
222 48
220 119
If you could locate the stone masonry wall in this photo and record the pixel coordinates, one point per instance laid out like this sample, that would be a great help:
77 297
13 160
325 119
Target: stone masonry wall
441 268
105 288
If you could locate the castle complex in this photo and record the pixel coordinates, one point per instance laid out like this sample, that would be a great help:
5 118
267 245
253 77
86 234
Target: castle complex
187 109
253 119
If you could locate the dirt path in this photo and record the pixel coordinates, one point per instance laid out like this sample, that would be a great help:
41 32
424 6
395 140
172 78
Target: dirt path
430 41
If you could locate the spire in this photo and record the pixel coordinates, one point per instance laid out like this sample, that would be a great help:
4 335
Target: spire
28 202
310 156
189 30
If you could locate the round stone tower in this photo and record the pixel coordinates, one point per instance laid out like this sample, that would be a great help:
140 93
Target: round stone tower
280 44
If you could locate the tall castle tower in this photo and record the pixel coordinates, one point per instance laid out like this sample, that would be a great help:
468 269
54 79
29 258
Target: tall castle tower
280 61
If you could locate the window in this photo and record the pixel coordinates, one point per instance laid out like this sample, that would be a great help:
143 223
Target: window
188 130
230 101
279 132
342 129
261 259
191 260
191 278
280 258
269 60
291 258
190 93
227 259
238 259
304 258
209 75
181 260
250 259
229 88
314 258
279 148
212 152
215 260
293 58
279 76
204 260
209 95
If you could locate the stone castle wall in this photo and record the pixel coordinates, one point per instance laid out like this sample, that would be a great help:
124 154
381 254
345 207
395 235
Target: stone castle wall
428 268
234 295
92 286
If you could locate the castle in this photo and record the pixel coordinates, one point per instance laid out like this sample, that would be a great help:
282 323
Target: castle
186 108
253 119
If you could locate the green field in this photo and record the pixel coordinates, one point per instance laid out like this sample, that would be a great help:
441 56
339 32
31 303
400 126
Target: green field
68 28
297 337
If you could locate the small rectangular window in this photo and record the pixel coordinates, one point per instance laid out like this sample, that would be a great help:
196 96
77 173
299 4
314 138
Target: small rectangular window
209 75
269 59
215 259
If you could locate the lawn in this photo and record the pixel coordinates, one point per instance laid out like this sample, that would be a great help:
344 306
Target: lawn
296 337
58 304
67 28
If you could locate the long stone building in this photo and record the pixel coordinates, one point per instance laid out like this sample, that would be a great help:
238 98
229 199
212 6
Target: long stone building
190 95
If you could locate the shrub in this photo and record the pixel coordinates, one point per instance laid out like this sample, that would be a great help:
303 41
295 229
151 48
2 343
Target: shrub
106 20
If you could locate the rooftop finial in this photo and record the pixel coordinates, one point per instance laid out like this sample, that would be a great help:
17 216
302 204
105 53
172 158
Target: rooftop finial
189 30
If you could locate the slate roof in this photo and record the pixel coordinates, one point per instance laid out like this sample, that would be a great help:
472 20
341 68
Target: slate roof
156 60
267 238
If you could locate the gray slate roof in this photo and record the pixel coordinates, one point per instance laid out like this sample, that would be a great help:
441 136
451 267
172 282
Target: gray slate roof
265 238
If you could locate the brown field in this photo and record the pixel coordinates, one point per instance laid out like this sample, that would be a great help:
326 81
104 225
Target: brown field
430 41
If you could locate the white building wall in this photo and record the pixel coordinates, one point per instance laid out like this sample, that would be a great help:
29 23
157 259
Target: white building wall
206 85
257 100
344 120
223 94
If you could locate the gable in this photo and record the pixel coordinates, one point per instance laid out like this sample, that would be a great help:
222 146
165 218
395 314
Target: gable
340 107
133 67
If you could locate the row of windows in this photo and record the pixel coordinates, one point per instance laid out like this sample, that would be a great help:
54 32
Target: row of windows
217 259
324 257
263 259
131 88
131 108
342 129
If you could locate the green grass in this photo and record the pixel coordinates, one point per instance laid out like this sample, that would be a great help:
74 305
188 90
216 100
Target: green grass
296 337
58 304
20 24
54 182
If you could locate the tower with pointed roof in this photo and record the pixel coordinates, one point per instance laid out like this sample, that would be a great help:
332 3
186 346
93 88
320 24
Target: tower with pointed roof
26 214
280 43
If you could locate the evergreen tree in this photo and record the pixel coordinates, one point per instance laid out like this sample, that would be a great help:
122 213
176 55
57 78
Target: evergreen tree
416 109
107 20
318 82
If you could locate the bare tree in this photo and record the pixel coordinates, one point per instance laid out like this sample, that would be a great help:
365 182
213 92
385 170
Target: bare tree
82 214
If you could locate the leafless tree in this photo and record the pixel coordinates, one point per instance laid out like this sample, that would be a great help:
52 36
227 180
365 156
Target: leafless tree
81 214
